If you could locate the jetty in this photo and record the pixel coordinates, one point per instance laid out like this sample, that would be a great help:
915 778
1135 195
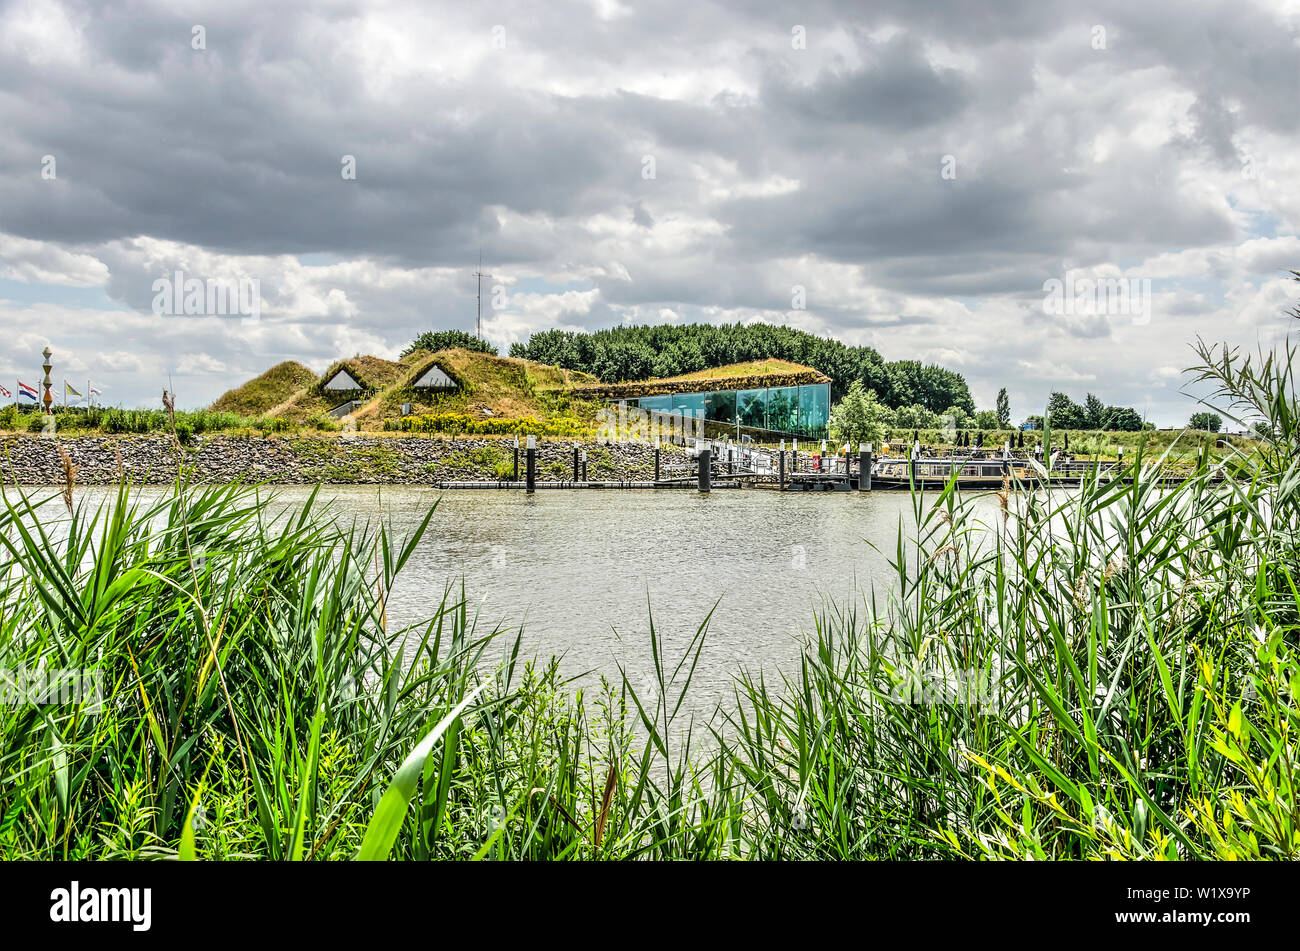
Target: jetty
725 465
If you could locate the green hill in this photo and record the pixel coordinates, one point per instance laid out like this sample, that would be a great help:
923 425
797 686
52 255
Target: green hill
264 392
375 374
487 386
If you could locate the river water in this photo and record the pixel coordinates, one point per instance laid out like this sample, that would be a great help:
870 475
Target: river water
584 572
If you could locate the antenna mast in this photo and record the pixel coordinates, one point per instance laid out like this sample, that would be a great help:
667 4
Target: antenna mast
478 316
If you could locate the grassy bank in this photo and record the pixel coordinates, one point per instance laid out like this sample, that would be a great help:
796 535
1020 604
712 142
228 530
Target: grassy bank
114 421
1108 672
1174 445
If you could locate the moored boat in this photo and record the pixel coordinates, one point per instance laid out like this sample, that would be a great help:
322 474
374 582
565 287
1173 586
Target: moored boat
935 472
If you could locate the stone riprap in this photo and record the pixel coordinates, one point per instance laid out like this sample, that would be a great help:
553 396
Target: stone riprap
361 459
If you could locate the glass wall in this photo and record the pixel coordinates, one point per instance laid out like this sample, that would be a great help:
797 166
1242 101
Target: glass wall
814 407
752 407
800 410
689 404
783 409
721 406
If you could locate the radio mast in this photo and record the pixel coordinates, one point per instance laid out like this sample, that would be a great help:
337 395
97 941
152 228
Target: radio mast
478 315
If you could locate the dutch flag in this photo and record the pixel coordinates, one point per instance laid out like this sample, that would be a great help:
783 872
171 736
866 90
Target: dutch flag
26 392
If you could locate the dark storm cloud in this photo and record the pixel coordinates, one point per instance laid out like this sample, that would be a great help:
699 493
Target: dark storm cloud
899 89
239 147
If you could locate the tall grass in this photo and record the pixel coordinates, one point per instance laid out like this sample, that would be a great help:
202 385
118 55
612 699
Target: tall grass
119 421
256 703
1105 672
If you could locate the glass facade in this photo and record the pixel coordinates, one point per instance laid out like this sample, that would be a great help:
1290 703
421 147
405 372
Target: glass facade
799 410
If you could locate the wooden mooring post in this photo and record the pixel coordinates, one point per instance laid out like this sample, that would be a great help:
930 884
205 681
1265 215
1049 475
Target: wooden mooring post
705 465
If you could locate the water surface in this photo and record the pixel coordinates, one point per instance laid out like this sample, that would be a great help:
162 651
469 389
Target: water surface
584 572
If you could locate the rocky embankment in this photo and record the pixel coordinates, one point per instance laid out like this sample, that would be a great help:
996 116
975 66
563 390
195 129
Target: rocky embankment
404 460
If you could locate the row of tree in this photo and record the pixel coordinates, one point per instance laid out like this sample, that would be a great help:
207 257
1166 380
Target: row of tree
1065 413
901 394
620 354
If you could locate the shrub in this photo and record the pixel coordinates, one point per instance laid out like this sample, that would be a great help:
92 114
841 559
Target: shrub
461 424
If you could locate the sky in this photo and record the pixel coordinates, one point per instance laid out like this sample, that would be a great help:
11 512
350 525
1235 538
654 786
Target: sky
911 176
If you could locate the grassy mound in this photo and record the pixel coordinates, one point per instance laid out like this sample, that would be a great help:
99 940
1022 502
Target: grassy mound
734 376
488 388
770 367
261 393
373 373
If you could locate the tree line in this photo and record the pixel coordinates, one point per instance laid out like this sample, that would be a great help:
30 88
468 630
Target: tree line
621 354
1065 413
918 395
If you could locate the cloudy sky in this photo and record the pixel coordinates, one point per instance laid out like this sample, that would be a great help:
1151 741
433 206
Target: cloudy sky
918 169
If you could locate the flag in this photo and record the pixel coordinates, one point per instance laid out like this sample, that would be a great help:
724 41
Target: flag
26 392
5 393
68 389
93 391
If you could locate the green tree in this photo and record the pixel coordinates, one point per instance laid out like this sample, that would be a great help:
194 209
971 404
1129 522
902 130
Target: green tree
960 418
859 417
1094 412
915 416
988 419
1123 419
943 389
1210 422
435 340
1003 410
1065 413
